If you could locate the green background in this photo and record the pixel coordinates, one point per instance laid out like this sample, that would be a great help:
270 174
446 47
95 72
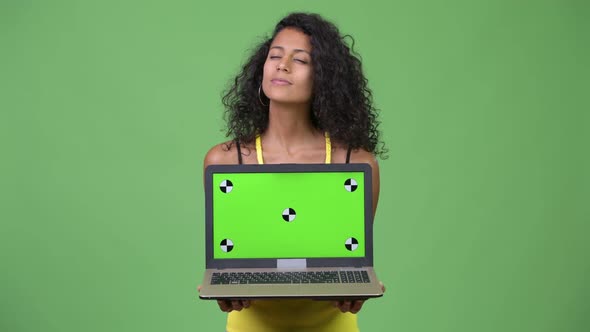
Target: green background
326 215
107 109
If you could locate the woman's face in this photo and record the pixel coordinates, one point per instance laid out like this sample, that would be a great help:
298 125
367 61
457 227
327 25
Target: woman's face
288 71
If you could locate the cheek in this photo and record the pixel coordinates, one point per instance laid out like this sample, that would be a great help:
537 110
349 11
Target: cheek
308 79
266 71
266 76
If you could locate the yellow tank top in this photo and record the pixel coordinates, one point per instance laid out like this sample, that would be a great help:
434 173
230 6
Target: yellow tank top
291 314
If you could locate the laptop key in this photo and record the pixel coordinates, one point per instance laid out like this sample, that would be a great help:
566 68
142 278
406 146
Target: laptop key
365 276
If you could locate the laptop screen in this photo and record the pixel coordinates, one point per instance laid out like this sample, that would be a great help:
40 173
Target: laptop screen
288 214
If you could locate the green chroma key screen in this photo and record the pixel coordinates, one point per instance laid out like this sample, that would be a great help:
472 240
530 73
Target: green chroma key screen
288 215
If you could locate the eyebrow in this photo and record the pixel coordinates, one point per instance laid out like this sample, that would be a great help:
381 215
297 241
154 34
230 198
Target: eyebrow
297 50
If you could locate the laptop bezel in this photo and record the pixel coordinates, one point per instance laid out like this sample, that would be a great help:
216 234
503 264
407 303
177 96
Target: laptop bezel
226 263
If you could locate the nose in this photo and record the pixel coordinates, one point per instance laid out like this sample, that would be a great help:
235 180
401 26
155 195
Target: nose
282 66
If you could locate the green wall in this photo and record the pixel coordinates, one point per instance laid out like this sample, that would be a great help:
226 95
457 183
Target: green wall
108 107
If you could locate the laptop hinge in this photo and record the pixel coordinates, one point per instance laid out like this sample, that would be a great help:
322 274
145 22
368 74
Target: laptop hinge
291 263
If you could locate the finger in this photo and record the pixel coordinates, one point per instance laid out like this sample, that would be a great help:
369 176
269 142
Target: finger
246 303
236 305
382 286
356 306
225 306
345 306
199 288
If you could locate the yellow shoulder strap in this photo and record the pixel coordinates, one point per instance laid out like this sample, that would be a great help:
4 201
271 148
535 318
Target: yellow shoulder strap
328 148
259 150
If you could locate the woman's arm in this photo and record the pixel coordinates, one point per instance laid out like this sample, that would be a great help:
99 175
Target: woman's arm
363 156
224 154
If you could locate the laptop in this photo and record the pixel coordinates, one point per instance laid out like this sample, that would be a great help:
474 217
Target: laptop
289 231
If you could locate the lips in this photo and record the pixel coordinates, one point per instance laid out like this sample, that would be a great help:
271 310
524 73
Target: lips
280 81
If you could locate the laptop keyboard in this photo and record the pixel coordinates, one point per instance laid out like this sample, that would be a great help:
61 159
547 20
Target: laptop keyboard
323 277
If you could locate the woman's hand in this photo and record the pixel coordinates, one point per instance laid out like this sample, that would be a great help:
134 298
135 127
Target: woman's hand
230 305
353 306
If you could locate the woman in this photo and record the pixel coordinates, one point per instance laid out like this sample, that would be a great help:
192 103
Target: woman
300 98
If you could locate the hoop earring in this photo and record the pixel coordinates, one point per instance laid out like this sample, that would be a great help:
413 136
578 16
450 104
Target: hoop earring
259 97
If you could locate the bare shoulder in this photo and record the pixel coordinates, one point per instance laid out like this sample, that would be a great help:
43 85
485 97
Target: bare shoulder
364 156
221 154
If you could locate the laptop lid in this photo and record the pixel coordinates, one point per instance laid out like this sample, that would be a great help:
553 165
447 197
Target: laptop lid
288 215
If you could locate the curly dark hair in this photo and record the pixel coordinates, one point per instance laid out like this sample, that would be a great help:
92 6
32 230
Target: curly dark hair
342 103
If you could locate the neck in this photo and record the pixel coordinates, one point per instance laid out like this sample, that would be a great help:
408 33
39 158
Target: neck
289 125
